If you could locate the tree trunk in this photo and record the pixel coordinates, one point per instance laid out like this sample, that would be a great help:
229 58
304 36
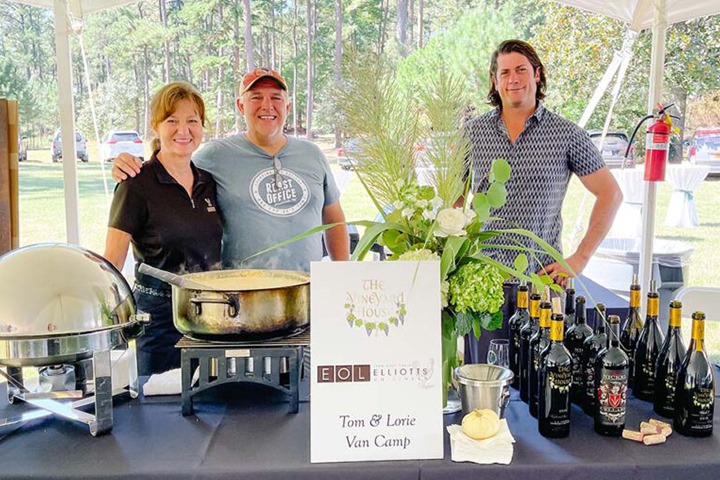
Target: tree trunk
295 69
237 69
337 67
166 42
680 96
310 73
273 49
250 60
420 26
384 8
402 25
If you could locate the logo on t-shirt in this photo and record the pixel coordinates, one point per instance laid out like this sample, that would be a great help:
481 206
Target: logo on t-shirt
281 194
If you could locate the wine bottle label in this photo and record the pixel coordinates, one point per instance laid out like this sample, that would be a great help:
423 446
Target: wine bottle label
703 398
522 299
675 317
653 306
534 309
635 298
556 330
698 334
576 354
545 317
560 378
612 396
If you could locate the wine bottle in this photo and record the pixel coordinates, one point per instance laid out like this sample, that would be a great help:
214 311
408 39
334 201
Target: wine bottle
695 389
611 377
515 323
574 340
554 381
632 326
668 363
538 342
647 349
591 348
527 331
569 305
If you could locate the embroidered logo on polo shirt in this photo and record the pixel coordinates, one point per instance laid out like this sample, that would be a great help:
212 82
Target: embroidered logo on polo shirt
210 206
281 195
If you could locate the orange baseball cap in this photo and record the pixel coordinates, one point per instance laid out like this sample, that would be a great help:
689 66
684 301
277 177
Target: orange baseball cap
259 73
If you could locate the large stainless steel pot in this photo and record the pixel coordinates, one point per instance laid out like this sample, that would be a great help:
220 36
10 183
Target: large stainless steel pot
243 304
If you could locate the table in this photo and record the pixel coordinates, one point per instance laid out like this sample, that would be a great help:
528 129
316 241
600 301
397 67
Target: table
628 220
684 179
246 433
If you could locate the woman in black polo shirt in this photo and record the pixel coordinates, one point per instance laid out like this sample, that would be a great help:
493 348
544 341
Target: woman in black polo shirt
168 212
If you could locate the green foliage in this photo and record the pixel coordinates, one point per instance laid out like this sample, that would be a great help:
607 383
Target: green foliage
461 51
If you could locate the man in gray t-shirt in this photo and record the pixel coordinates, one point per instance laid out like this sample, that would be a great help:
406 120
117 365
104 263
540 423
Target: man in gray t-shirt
543 150
270 187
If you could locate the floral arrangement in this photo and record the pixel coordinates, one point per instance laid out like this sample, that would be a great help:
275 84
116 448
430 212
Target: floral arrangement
431 216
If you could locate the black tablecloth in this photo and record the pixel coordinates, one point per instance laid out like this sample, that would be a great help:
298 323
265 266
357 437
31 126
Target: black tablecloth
245 432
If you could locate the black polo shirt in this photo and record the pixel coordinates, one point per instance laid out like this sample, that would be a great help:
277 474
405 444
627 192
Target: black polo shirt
170 230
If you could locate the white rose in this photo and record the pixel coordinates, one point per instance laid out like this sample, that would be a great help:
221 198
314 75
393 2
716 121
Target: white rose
451 222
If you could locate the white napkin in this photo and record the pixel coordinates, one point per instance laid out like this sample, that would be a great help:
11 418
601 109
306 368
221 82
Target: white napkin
496 449
166 383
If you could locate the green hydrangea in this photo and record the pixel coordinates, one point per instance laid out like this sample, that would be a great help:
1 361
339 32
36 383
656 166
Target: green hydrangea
476 287
419 255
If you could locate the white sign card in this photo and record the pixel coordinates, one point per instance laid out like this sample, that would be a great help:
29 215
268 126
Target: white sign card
376 362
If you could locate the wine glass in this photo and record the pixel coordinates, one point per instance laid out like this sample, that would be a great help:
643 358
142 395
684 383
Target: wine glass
499 352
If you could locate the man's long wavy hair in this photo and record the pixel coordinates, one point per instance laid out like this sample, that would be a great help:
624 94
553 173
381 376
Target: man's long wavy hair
524 49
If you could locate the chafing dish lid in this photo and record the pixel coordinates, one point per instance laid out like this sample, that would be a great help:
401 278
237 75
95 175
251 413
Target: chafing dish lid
59 289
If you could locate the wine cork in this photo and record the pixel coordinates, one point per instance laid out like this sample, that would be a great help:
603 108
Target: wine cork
654 439
655 421
632 435
650 429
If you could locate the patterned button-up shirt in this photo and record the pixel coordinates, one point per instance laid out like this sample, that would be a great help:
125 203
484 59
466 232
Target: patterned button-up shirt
542 159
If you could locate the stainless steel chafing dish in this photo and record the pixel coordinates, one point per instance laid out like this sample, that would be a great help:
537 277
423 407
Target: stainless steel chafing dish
65 305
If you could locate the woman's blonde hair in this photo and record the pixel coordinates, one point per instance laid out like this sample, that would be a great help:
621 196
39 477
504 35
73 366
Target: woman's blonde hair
165 101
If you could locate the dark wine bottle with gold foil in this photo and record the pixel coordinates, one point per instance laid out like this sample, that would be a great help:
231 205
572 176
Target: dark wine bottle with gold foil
668 363
554 381
574 339
592 346
611 377
631 327
538 342
527 331
520 318
647 349
695 389
569 305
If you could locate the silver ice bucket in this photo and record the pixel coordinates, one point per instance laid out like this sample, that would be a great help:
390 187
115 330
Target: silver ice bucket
483 386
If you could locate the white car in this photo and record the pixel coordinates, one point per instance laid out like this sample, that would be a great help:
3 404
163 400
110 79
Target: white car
116 142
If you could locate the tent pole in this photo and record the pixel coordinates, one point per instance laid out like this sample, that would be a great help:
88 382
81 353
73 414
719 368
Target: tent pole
67 120
657 65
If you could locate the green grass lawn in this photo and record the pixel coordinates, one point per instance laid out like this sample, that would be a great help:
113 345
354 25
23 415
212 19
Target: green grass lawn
42 213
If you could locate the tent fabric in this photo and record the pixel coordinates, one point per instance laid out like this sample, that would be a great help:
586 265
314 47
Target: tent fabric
80 8
639 14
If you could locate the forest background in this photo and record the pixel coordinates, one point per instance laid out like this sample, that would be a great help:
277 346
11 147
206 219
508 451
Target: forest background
124 54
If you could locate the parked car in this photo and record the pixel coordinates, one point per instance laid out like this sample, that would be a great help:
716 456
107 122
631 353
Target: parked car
22 149
80 147
346 154
613 148
705 148
116 142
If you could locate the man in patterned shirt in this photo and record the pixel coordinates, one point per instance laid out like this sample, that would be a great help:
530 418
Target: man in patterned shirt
543 150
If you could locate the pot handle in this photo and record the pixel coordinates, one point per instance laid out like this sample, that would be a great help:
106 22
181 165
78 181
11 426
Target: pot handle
232 301
504 399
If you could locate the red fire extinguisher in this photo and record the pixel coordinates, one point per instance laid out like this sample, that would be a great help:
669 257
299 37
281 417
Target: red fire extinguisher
657 143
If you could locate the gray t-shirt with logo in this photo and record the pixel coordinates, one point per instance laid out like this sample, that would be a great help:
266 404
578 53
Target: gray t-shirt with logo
267 199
